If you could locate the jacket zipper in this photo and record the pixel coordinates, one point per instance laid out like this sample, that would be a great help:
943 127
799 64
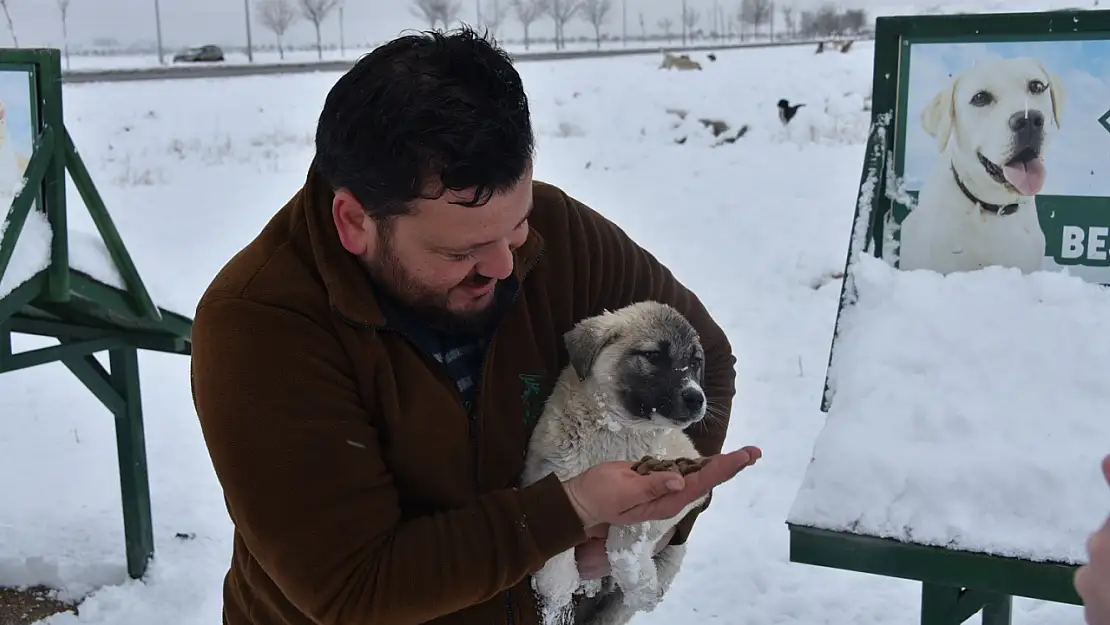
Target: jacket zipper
471 417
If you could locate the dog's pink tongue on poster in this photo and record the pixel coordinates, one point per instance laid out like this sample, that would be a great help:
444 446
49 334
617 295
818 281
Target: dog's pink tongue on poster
1027 177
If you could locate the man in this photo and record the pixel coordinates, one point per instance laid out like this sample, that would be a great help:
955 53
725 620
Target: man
368 370
1093 580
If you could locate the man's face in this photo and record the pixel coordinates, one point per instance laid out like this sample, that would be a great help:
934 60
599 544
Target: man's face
444 261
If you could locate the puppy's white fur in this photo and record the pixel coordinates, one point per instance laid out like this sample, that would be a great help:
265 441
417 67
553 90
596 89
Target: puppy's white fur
583 425
946 231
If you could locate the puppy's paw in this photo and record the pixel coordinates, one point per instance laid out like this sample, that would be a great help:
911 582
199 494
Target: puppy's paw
555 584
590 587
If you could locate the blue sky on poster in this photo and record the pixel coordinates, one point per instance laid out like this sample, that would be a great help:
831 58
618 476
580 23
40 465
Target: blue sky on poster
15 93
1079 159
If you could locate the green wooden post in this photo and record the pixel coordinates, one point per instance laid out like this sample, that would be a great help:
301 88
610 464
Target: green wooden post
999 611
939 605
54 182
84 315
130 442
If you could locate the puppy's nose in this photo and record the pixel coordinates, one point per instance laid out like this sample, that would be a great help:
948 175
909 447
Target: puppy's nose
1026 121
692 399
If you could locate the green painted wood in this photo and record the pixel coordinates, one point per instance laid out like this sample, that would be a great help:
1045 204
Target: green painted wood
46 355
1048 581
92 374
85 315
48 87
23 202
131 448
108 232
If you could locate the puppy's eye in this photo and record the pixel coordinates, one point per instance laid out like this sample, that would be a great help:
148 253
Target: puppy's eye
653 356
982 98
1036 86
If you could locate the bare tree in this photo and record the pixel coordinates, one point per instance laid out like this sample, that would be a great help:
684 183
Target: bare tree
643 28
561 12
788 19
436 11
277 16
11 26
854 20
755 13
826 21
494 15
527 12
63 9
667 26
595 12
316 11
690 19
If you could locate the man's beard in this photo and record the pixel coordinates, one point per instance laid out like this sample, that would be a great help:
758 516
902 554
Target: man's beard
426 306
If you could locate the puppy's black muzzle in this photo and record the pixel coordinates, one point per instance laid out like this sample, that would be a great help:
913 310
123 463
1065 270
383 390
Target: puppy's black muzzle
1028 129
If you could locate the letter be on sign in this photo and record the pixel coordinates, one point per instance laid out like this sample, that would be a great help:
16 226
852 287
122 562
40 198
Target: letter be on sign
1073 246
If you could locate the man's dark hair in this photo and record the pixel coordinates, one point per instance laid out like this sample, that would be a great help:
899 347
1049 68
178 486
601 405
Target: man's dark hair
422 114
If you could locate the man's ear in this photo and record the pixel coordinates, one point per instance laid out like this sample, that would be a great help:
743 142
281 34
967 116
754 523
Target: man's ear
585 341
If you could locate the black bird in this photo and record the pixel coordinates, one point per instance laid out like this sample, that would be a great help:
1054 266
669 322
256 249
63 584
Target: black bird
787 111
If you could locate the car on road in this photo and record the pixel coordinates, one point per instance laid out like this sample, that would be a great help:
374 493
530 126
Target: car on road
200 54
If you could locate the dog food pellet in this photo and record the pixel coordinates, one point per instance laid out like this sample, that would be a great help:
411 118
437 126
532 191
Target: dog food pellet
683 466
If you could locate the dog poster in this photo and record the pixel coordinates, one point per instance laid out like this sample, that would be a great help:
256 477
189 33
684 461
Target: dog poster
18 129
1002 158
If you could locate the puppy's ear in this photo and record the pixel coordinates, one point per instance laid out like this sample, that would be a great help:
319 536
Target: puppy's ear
1059 94
585 341
939 115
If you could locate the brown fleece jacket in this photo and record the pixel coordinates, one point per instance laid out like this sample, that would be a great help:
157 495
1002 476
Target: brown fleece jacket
360 491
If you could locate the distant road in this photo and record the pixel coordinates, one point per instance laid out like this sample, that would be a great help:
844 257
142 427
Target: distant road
175 72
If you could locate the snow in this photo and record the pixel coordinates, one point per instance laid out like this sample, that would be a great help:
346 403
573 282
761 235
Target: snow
87 254
758 228
967 412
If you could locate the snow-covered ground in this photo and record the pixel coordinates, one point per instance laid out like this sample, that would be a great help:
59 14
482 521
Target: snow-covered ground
758 228
88 62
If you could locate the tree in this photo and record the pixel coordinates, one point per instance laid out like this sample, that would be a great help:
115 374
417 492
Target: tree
63 8
690 19
755 13
527 12
643 28
667 25
788 19
436 11
561 12
494 15
277 16
316 11
854 20
11 26
594 12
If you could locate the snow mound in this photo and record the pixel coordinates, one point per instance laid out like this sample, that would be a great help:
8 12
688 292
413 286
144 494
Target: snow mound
968 412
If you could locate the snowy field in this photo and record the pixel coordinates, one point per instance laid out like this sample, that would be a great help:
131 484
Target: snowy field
92 62
758 228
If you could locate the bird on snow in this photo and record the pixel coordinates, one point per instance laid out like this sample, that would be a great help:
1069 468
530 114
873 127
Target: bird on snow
787 111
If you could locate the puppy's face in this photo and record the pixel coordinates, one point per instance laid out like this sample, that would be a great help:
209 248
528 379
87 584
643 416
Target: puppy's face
1000 117
647 363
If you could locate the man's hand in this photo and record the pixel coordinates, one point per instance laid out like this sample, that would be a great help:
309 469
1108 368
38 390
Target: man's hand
1092 581
613 493
593 559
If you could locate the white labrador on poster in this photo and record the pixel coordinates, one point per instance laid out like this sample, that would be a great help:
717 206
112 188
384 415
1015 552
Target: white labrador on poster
993 124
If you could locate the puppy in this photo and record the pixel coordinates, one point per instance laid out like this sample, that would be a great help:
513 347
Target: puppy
993 125
634 383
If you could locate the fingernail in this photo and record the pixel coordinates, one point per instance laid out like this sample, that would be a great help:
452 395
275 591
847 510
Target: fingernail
675 485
